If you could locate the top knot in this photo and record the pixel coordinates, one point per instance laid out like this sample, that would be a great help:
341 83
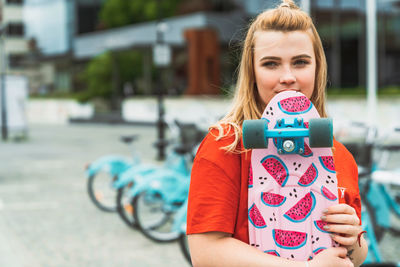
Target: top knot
284 5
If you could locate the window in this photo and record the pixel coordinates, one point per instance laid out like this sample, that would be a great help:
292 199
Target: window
15 29
15 2
16 60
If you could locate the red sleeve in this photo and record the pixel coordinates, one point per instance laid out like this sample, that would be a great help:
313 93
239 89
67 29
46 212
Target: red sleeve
214 188
347 176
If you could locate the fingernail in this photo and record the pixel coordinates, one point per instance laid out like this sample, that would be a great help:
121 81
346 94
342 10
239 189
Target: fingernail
332 235
326 227
323 217
325 211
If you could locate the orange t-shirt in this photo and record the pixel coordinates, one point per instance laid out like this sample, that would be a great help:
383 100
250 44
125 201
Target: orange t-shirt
219 184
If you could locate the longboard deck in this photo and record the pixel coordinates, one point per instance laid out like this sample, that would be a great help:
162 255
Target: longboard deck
287 193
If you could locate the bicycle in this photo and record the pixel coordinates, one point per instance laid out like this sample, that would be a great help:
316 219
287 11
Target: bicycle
378 201
104 172
180 226
157 201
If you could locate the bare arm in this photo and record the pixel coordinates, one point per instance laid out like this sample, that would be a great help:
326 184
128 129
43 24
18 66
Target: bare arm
221 249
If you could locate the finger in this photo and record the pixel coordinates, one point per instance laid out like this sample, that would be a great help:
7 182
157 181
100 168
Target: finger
344 240
342 229
348 262
341 218
340 208
338 251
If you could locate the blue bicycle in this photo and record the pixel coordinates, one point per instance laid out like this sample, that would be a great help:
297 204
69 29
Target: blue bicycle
104 172
380 203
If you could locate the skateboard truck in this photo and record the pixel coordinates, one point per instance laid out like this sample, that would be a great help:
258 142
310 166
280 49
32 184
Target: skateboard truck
288 134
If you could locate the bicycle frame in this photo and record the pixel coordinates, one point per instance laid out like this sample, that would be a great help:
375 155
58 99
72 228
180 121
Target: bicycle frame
382 202
114 165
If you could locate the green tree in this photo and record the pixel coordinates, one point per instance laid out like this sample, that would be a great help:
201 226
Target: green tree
105 75
117 13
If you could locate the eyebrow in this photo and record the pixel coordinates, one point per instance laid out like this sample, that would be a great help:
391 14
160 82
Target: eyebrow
278 58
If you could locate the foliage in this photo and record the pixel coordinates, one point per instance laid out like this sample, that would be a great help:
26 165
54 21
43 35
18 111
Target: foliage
99 74
362 91
117 13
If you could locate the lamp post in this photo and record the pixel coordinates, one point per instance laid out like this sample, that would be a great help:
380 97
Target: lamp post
372 71
161 58
4 129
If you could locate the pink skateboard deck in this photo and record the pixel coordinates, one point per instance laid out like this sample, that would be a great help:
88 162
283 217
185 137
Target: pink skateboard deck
288 192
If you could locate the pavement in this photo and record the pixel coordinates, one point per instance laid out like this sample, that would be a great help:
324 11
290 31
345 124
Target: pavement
46 217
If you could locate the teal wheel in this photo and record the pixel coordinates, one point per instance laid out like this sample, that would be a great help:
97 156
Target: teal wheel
321 132
254 134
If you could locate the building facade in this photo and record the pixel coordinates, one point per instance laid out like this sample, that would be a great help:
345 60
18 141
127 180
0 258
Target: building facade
341 24
15 45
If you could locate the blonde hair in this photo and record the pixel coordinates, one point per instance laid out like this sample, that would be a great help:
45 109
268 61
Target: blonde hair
246 104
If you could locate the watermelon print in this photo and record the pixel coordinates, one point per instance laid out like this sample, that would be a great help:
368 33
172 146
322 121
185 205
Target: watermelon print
292 202
272 200
309 177
256 218
302 209
289 239
276 168
318 250
328 194
250 180
295 105
327 163
272 252
319 224
307 151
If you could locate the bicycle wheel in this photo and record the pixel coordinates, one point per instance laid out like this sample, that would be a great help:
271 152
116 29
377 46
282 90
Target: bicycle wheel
183 244
101 191
152 219
378 230
125 207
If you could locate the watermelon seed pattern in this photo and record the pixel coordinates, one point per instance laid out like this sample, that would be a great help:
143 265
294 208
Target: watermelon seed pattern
329 180
270 111
272 218
262 179
312 239
294 194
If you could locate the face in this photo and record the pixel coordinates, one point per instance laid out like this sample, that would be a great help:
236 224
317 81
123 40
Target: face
283 61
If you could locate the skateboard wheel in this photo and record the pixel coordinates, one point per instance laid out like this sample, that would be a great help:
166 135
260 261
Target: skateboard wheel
254 134
321 132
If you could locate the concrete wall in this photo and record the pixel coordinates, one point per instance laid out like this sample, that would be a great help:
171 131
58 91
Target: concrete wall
56 111
205 110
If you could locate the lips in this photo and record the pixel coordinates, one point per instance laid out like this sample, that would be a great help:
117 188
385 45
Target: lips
289 89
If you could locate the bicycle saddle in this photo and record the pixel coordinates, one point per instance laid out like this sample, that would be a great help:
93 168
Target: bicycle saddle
129 138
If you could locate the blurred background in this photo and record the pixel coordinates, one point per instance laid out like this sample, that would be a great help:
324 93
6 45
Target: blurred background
76 75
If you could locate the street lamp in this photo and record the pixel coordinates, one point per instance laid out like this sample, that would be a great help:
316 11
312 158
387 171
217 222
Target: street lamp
372 81
161 58
4 129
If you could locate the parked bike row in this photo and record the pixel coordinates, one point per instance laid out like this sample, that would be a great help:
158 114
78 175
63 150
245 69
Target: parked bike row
379 185
153 199
147 197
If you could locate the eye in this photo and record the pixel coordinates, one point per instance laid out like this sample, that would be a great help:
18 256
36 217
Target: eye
301 62
270 64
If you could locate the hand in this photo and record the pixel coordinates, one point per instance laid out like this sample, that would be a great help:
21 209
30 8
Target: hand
331 257
343 223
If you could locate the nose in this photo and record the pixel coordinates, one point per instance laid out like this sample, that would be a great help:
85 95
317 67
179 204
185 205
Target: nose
287 77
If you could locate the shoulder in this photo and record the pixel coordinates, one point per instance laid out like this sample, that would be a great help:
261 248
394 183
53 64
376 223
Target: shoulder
212 150
341 154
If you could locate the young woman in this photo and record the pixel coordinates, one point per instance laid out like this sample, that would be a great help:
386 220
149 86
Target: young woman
282 51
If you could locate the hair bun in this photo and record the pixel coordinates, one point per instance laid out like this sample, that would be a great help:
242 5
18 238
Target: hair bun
289 4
